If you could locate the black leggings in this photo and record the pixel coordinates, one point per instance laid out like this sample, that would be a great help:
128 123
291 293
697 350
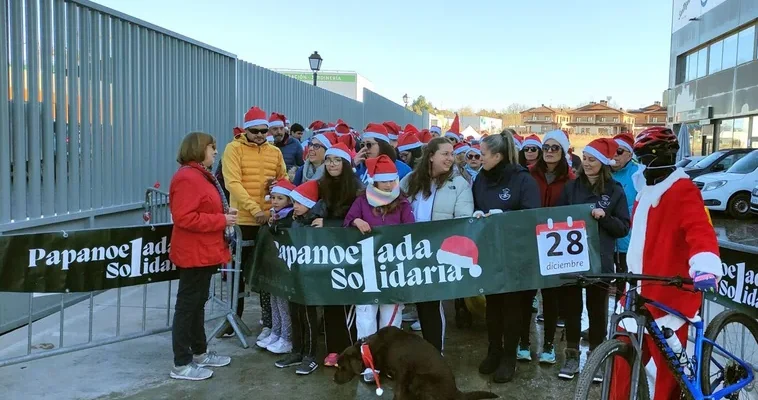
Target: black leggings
504 320
597 309
304 329
431 316
621 267
337 335
550 299
526 318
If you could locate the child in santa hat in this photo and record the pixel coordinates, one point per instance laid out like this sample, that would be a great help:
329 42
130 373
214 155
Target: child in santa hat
381 204
307 211
280 339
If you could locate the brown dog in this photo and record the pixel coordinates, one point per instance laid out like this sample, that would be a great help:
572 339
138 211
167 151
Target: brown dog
419 371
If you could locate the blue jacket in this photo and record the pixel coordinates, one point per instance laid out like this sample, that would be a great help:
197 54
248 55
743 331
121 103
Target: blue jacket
624 177
292 151
402 170
506 187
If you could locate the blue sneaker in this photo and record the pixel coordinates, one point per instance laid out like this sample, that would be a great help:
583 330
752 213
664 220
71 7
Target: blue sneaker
548 354
523 354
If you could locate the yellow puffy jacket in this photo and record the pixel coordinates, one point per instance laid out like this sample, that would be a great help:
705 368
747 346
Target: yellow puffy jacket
247 167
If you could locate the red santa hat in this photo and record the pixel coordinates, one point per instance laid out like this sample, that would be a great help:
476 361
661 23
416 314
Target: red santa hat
237 131
410 129
340 150
318 126
518 140
393 129
461 252
341 129
408 141
603 150
436 129
255 116
625 140
532 140
381 169
306 194
327 139
276 120
283 187
475 149
425 136
348 141
460 148
455 130
470 138
376 131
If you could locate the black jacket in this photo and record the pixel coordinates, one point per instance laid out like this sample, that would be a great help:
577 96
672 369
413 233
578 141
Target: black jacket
507 187
317 211
615 224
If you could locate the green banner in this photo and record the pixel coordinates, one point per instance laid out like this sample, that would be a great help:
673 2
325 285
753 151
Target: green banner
427 261
738 287
322 77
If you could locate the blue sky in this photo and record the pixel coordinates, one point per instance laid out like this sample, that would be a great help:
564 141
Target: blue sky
483 54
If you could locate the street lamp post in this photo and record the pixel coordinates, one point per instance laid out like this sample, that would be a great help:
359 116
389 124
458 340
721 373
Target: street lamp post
315 62
405 100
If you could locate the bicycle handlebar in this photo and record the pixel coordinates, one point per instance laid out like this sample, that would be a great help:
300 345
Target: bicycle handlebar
675 281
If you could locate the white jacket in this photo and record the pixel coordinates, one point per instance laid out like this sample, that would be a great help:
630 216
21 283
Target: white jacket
453 200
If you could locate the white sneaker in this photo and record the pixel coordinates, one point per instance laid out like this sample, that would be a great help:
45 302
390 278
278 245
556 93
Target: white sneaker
281 346
264 334
268 341
191 372
416 326
368 375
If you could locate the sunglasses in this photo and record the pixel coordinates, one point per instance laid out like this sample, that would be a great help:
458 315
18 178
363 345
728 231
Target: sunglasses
368 145
257 131
473 156
551 147
620 151
531 149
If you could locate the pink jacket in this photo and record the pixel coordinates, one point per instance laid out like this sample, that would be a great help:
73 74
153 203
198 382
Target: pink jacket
403 214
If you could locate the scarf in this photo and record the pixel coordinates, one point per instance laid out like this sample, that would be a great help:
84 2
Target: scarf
311 172
228 231
379 198
279 214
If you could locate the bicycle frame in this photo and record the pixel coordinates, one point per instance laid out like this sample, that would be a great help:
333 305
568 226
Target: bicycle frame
693 384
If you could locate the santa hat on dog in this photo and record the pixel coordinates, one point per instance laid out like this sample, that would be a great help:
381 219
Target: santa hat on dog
282 186
381 169
255 116
603 150
306 194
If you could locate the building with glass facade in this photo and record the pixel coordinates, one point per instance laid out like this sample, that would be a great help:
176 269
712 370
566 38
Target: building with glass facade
713 78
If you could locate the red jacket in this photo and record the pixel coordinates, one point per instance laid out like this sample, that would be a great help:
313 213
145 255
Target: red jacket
197 239
550 193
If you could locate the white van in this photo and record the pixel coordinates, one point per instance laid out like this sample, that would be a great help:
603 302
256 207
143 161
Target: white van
730 190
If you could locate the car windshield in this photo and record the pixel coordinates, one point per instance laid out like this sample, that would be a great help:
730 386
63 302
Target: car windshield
683 162
745 165
706 162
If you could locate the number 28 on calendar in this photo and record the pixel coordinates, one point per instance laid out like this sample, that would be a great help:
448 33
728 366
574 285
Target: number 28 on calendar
562 247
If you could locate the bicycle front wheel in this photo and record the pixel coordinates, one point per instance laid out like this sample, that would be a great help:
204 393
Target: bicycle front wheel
616 352
737 333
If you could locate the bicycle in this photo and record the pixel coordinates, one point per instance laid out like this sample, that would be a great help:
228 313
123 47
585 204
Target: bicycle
693 374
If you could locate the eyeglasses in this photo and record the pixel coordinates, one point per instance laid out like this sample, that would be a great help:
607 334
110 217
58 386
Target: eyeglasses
316 146
620 151
368 145
333 161
473 156
531 149
257 131
551 148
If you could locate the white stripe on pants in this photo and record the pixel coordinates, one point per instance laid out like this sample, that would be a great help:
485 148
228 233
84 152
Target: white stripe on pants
365 318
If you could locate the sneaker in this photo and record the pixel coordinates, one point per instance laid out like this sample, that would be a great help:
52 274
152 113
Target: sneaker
281 346
492 361
368 376
290 360
264 334
331 360
540 318
416 326
548 354
571 366
267 341
410 316
560 323
599 374
211 359
523 354
191 372
308 365
505 371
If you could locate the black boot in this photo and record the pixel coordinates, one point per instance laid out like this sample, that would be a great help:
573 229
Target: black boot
505 371
492 361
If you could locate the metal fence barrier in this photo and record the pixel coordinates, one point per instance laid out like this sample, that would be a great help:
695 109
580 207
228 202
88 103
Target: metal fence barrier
130 320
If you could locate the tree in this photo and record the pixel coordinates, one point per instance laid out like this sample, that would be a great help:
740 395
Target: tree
421 104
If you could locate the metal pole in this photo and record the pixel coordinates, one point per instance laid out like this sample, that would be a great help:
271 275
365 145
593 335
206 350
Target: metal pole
315 75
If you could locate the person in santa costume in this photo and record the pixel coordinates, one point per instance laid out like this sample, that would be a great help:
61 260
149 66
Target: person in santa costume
671 235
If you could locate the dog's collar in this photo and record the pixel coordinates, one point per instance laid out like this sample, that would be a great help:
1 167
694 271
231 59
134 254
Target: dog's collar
368 362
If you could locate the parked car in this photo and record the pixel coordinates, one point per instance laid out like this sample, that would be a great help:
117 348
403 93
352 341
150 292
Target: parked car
730 191
754 200
688 161
717 161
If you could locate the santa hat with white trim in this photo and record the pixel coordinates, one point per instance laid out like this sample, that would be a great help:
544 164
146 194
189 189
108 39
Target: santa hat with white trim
341 129
425 136
237 131
325 138
408 141
381 169
393 129
474 149
283 187
461 147
436 129
255 116
518 140
560 137
317 126
340 150
455 130
306 194
276 120
376 131
625 140
461 252
532 140
603 150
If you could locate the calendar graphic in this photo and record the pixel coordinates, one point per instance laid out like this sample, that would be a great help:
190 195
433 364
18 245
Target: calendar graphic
562 247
